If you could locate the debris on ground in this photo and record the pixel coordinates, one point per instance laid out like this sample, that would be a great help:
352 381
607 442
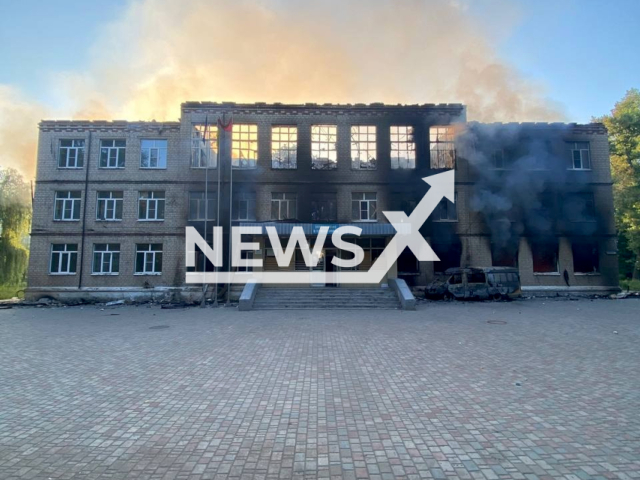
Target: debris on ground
115 302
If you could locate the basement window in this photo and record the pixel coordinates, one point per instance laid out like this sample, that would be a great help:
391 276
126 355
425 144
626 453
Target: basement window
244 148
324 153
585 257
580 156
204 146
363 147
284 147
403 148
545 256
442 147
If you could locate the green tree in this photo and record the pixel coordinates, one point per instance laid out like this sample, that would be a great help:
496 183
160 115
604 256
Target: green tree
15 220
624 139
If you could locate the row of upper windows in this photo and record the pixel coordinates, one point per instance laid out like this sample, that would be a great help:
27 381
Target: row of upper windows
284 149
284 206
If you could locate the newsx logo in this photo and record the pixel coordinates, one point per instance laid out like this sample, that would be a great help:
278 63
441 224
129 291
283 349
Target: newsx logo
407 235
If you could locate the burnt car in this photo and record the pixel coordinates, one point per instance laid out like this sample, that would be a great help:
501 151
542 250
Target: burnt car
479 283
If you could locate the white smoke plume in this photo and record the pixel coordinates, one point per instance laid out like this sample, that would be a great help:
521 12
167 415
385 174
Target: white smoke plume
163 52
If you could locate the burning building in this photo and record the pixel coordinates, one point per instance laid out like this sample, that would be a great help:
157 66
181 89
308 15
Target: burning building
112 199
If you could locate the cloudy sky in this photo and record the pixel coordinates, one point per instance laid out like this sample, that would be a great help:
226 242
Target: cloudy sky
508 60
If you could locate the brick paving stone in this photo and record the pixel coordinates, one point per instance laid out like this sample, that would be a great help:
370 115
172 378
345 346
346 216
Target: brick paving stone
438 393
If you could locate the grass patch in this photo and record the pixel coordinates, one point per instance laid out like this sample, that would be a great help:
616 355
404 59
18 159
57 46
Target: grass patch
10 291
628 284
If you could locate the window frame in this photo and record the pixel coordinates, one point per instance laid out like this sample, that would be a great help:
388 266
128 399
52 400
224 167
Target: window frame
248 137
76 204
368 202
573 148
148 248
441 146
79 153
212 208
110 249
160 155
404 135
446 205
70 254
157 200
204 141
291 151
120 151
116 201
284 201
250 199
324 142
367 146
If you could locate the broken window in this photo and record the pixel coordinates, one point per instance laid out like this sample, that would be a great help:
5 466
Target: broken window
201 208
204 146
504 255
545 256
284 147
456 279
446 211
476 277
244 206
324 208
580 156
324 154
585 257
71 154
112 153
403 148
284 206
244 145
364 206
442 147
580 207
363 147
449 255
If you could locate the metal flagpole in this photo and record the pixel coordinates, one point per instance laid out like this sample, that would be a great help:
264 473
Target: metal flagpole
206 206
215 268
230 210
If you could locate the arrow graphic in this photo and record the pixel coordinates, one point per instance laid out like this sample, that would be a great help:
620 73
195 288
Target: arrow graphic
407 236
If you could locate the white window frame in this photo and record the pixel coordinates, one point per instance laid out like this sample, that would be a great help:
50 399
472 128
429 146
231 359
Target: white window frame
64 259
364 147
106 257
284 147
151 146
149 258
442 147
155 198
362 201
249 201
112 150
244 145
284 204
324 147
73 153
403 147
199 199
582 152
204 146
64 198
109 202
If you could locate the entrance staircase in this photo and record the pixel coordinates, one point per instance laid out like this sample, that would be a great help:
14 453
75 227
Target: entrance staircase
325 298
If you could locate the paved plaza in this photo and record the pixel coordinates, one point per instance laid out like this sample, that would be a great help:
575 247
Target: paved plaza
531 389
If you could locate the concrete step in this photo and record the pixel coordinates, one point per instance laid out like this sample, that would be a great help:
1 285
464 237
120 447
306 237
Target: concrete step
325 298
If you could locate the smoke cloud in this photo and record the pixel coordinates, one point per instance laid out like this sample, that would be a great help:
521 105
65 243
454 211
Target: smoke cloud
163 52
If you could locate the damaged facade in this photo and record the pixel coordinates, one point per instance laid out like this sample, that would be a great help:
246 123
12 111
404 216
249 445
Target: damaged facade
112 199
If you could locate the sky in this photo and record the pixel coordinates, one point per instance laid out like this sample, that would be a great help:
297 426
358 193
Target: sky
508 60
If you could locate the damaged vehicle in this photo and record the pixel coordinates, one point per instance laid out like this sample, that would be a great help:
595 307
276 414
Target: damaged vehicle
480 283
